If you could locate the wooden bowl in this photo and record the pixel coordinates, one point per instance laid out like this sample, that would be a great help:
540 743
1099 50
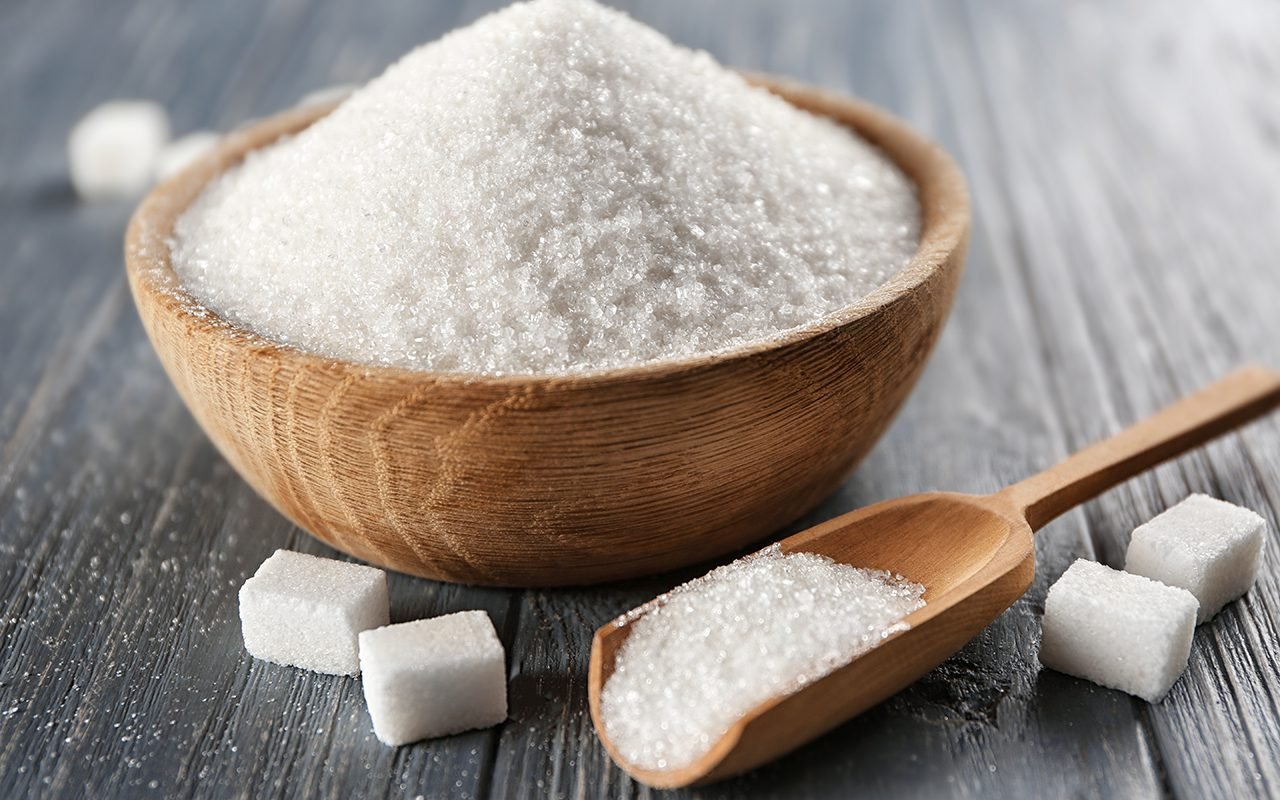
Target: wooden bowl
544 480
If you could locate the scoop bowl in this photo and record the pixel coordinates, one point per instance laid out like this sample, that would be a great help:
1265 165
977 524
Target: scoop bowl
556 479
972 554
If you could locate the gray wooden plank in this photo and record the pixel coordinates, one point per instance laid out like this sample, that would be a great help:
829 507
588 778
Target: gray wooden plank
1122 168
1136 230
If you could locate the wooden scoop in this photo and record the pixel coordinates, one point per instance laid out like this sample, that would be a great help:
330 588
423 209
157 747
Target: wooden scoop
972 553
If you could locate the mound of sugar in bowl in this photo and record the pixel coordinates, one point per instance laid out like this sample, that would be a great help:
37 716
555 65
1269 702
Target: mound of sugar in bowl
434 677
1207 546
305 611
113 151
1119 630
555 188
713 649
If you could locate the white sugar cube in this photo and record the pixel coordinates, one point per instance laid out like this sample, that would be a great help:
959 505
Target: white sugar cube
305 611
181 152
1207 546
1118 630
434 677
114 149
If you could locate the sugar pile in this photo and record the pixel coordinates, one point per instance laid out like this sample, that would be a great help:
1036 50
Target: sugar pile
554 188
716 647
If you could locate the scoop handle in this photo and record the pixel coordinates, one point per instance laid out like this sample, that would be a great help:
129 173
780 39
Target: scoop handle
1242 396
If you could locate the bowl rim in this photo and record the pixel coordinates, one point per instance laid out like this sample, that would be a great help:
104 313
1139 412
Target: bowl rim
940 190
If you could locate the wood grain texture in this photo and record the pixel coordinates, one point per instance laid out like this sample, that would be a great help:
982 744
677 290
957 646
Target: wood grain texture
555 480
1123 160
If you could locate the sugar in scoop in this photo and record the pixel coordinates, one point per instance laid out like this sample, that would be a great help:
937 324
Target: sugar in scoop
714 648
555 188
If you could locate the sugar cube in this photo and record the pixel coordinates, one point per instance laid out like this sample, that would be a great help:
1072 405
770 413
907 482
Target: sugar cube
1207 546
114 149
1118 630
305 611
180 152
433 677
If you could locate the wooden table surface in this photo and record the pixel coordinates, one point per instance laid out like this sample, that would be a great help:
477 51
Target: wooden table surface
1124 160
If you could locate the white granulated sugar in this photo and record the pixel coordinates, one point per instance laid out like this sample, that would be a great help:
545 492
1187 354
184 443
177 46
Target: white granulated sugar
718 646
183 151
555 188
1207 546
305 611
113 150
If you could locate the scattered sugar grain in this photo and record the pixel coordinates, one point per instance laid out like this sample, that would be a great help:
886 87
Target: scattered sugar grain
1207 546
552 189
183 151
1118 630
304 611
434 677
113 150
763 626
328 94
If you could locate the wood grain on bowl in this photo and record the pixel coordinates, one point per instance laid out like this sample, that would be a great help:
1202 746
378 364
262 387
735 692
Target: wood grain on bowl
555 480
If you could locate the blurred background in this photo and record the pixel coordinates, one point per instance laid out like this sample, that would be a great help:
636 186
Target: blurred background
1124 162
